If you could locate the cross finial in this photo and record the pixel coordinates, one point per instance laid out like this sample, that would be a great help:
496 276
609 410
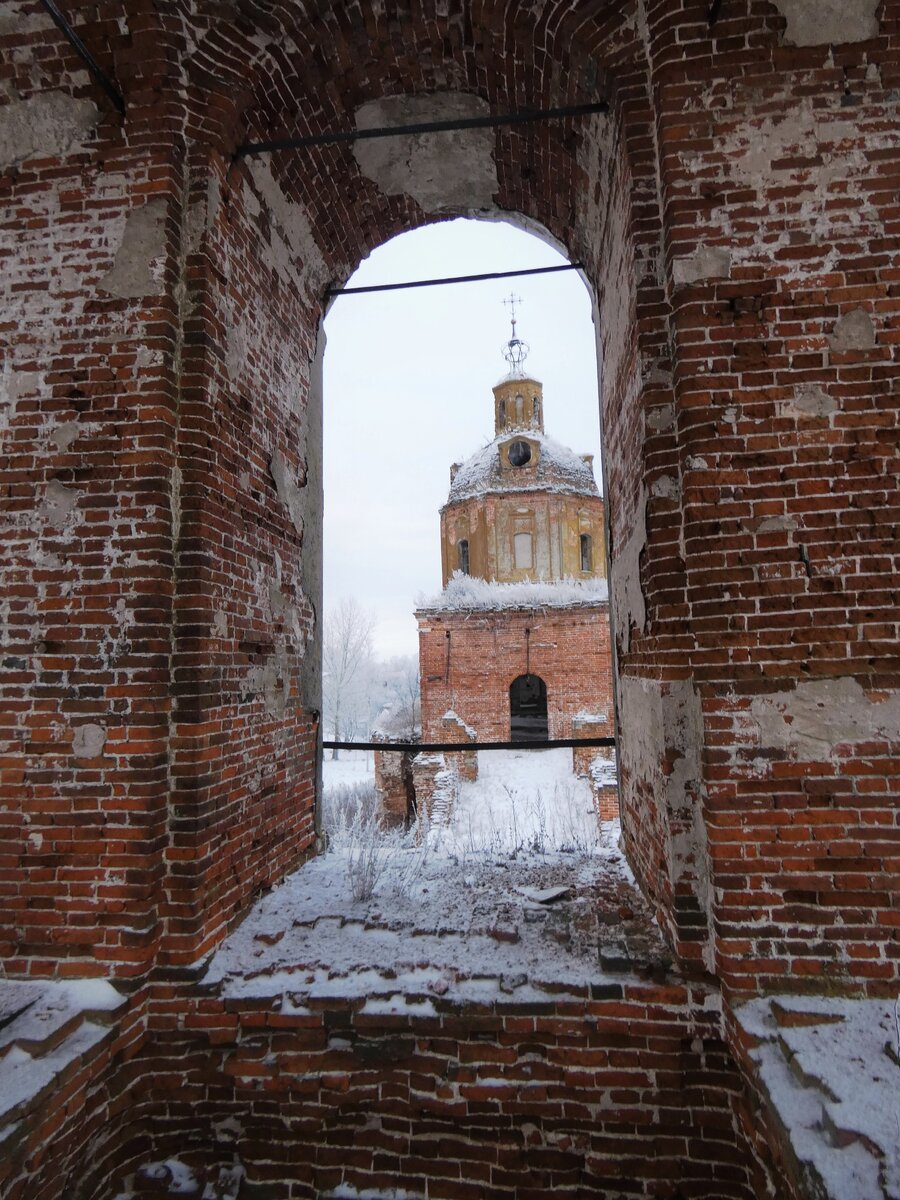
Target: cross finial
515 351
510 302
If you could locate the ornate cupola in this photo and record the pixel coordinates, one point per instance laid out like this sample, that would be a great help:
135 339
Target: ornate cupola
518 399
523 507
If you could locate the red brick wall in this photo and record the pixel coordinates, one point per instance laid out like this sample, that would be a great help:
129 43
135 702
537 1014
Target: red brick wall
471 672
88 421
627 1092
737 214
779 163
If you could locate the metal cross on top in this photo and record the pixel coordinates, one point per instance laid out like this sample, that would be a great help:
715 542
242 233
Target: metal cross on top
510 302
515 351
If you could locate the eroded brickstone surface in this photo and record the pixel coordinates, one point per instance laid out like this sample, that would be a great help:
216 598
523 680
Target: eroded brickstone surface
736 214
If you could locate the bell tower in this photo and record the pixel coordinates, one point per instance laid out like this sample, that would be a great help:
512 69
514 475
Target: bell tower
518 399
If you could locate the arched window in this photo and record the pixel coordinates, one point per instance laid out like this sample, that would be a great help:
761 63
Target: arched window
520 409
462 555
528 709
587 555
501 414
522 551
536 408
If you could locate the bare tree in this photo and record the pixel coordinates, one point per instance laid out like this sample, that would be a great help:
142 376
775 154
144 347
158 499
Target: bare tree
346 662
403 685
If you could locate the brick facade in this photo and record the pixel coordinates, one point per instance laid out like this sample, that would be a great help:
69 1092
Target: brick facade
737 217
467 661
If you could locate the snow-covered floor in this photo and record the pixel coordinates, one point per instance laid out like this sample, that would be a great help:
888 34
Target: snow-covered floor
521 891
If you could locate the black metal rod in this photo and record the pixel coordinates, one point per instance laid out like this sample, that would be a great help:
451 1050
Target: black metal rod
549 744
418 283
81 49
713 14
450 126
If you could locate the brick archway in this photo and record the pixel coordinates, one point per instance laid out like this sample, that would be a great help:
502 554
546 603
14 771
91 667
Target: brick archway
527 709
164 491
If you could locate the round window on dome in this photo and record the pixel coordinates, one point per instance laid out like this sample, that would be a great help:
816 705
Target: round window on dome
519 453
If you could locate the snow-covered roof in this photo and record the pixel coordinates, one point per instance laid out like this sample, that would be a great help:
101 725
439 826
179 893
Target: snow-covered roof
395 721
558 469
466 593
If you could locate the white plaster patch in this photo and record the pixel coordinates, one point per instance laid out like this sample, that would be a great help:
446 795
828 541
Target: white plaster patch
662 417
88 741
629 607
49 124
809 400
237 345
776 525
58 504
64 435
297 240
707 262
443 172
666 487
853 331
662 723
824 22
272 681
13 385
220 624
288 492
137 269
809 721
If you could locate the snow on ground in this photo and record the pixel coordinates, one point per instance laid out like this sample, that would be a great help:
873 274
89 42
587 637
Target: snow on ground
353 766
831 1068
523 800
521 892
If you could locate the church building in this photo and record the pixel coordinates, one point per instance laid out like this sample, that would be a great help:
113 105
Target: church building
516 646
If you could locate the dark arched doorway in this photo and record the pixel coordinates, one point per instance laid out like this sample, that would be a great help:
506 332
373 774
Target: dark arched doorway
528 708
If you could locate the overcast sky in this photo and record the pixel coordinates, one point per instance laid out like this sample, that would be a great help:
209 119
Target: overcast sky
408 378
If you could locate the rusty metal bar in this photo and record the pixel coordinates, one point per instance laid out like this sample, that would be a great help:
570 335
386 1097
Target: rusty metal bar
449 126
81 49
418 283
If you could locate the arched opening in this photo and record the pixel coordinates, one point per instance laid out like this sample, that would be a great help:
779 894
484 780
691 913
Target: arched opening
528 709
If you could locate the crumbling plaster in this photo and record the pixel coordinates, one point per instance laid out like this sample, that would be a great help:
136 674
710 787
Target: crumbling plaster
137 269
442 172
661 735
628 605
50 124
810 720
824 22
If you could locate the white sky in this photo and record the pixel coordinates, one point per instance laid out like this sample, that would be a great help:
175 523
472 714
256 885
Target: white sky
408 378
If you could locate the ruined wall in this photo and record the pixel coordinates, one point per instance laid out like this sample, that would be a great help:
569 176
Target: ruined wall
778 165
87 417
624 1093
467 661
243 780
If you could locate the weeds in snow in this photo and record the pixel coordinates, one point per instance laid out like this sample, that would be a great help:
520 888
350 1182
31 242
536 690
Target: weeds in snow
490 820
373 855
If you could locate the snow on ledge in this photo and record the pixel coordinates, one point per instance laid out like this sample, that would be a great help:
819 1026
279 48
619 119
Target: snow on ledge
465 593
831 1069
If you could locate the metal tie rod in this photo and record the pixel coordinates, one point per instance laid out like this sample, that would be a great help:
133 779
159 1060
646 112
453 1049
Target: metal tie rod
548 744
81 49
419 283
450 126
